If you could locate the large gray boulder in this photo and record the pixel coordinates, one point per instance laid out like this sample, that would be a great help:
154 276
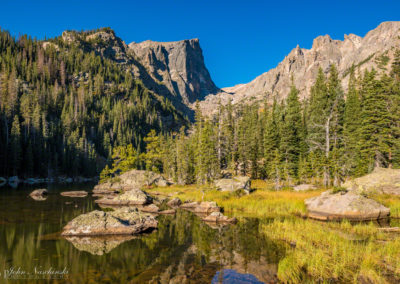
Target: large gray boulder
304 187
234 184
124 221
132 197
131 180
345 205
381 180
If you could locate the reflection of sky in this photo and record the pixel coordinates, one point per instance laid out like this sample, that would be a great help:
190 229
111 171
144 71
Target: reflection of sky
232 277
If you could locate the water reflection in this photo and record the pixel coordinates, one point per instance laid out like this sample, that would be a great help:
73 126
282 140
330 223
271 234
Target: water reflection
182 249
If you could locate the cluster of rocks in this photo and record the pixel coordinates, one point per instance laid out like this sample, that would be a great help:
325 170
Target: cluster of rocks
352 202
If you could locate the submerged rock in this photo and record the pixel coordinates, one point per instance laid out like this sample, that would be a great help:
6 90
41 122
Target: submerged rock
329 206
304 187
97 245
39 194
80 193
218 217
124 221
234 184
207 207
175 202
132 197
381 180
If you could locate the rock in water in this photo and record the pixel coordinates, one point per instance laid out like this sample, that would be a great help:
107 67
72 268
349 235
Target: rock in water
234 184
80 193
150 208
132 197
304 187
329 206
39 194
218 217
386 181
207 207
124 221
175 202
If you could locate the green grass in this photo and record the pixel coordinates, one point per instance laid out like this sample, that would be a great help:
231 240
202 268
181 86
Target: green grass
324 252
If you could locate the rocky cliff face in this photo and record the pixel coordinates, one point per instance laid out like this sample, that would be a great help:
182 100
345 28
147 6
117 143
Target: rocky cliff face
175 70
375 50
177 65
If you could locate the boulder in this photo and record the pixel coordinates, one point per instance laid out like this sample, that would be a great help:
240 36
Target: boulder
3 181
218 217
381 180
124 221
104 189
39 194
234 184
80 193
345 205
133 197
304 187
139 179
175 202
207 207
13 181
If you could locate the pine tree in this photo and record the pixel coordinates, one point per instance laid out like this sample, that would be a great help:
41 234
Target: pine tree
291 133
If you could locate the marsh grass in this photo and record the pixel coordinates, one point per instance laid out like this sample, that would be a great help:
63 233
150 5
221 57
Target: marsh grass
318 252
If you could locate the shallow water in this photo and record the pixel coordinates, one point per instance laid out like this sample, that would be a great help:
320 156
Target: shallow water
182 249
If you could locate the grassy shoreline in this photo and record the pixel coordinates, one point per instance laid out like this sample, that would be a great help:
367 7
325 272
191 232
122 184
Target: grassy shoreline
338 252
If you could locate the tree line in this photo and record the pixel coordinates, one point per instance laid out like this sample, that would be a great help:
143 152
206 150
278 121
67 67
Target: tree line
324 139
63 108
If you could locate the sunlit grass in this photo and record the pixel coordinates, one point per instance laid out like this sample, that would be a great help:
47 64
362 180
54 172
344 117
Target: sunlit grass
264 201
324 252
339 252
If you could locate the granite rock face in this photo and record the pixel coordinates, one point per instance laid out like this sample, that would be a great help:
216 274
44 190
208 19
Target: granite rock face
345 205
178 65
381 181
364 52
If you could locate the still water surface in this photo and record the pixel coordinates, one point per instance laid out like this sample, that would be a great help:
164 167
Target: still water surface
182 250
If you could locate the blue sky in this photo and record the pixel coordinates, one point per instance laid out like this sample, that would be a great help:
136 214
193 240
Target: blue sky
240 39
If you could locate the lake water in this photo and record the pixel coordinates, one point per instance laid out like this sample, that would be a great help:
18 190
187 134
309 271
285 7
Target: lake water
182 250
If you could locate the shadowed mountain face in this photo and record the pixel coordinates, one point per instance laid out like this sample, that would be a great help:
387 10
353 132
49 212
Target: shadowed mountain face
375 50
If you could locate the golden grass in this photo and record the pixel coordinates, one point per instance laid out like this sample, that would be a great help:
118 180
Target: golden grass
325 251
263 202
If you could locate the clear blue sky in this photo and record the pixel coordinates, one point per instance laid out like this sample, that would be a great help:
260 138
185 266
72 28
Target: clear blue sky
240 39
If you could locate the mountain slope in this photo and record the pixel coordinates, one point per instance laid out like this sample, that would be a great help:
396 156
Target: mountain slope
375 50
